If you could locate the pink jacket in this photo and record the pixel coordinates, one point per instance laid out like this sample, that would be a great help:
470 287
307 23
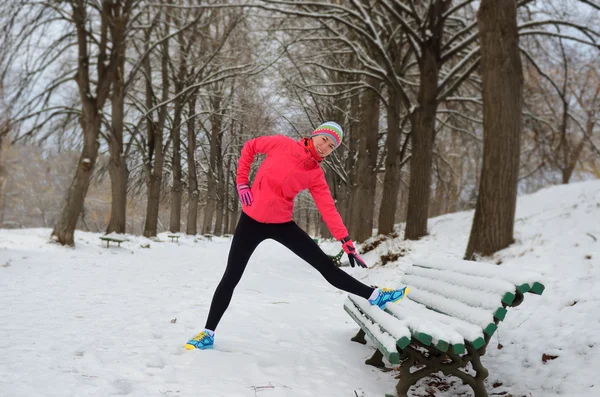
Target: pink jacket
288 169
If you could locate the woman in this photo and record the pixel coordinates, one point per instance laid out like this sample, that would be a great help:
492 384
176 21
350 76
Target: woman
289 167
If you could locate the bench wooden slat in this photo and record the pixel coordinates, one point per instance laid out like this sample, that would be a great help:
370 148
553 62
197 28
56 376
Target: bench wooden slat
389 324
485 300
113 239
474 315
517 277
474 283
421 320
387 349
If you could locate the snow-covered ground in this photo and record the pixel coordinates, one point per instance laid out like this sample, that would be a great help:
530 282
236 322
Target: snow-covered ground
92 321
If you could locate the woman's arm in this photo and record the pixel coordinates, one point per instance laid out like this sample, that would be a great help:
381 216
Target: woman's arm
264 145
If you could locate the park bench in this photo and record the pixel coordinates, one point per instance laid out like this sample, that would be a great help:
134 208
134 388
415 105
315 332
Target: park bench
337 258
174 237
445 322
113 239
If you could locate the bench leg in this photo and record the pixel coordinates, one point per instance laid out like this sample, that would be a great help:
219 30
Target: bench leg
407 379
481 373
376 360
108 242
360 337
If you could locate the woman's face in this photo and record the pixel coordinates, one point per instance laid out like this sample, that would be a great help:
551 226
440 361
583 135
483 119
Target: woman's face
323 144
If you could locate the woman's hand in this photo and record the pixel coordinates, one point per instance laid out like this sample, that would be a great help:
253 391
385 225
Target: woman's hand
245 194
353 256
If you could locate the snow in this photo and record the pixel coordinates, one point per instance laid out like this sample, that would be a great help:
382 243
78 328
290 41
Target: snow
398 329
387 339
97 321
475 298
471 282
438 325
516 277
460 310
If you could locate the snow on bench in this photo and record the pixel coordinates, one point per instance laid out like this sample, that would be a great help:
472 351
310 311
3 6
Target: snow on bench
386 331
114 238
451 312
526 281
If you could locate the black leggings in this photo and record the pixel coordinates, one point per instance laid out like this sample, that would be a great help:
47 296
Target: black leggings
248 234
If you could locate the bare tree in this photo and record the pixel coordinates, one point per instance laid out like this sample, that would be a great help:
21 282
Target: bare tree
113 17
155 158
493 223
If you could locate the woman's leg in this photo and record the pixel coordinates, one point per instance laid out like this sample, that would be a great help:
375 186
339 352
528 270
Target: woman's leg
300 243
248 234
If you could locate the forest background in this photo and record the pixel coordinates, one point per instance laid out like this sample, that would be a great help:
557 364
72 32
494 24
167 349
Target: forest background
128 116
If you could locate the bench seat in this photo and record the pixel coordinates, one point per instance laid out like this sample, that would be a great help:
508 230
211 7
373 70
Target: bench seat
113 239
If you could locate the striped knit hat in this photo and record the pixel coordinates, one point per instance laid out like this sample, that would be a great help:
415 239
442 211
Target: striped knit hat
331 129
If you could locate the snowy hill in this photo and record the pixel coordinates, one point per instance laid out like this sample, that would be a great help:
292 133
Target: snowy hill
93 321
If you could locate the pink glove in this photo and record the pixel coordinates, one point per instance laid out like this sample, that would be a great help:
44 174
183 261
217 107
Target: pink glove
245 194
353 256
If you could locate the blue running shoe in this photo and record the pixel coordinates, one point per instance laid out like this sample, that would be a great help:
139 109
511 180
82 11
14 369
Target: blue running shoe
389 295
202 341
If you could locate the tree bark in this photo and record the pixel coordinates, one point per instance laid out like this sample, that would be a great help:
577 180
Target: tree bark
363 193
64 229
192 216
220 199
117 166
177 187
154 172
4 129
423 125
211 178
351 141
389 197
502 74
226 191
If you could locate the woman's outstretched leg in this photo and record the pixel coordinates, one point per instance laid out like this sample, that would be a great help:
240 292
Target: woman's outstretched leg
247 236
300 243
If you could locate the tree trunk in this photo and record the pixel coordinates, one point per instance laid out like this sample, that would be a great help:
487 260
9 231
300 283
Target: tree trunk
502 75
117 166
211 178
226 198
423 126
389 197
192 216
351 140
235 205
363 194
175 218
220 199
119 176
4 129
154 172
64 229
